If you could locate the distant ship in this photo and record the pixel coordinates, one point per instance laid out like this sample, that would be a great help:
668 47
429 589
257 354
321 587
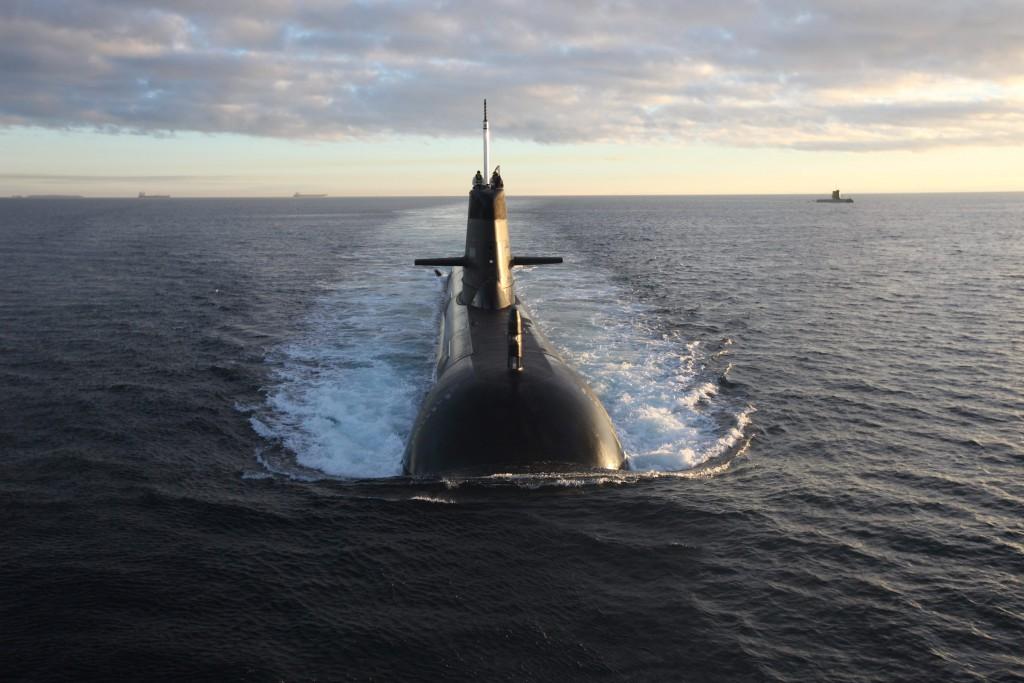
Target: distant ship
143 195
836 199
300 195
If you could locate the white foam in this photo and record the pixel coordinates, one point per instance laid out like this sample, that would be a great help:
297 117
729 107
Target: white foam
655 386
345 390
700 394
434 499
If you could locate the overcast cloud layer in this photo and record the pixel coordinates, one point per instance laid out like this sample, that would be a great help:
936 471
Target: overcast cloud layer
849 74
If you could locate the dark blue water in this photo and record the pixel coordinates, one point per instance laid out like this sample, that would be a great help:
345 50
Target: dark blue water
204 404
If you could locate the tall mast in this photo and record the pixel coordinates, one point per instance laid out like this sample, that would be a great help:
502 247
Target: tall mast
487 147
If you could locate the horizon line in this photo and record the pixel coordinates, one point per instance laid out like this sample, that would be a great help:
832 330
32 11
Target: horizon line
74 195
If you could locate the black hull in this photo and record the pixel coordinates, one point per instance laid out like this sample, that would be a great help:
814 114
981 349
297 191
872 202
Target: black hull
481 417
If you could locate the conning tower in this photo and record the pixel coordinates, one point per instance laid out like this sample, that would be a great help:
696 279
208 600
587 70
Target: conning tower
487 261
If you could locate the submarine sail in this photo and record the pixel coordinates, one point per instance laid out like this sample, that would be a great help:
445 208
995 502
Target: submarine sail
504 399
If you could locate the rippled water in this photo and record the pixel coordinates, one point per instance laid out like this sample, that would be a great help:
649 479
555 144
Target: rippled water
205 404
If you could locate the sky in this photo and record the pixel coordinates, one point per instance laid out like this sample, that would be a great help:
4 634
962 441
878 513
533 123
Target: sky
271 97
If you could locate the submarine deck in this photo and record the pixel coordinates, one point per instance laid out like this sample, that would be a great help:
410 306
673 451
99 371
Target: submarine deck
483 334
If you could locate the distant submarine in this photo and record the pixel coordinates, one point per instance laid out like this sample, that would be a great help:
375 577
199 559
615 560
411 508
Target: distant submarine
835 199
504 400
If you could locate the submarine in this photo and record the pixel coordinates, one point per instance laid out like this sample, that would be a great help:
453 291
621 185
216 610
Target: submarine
504 400
835 199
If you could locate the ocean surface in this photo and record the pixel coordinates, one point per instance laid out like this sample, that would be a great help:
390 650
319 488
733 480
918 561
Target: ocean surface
204 405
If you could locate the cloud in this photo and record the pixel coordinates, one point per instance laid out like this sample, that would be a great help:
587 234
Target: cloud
825 75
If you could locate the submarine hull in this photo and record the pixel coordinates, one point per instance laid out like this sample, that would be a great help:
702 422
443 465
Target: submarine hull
481 417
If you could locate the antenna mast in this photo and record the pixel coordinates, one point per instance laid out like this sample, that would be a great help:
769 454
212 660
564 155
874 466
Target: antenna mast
487 147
